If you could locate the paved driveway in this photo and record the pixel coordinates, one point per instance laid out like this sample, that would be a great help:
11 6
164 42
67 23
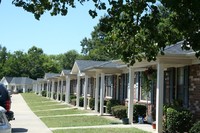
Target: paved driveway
25 120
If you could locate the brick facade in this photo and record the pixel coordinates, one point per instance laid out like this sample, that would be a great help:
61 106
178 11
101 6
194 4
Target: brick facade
194 90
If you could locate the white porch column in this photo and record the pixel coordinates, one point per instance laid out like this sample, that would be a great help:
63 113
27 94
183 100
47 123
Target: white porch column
47 88
39 86
36 91
43 86
24 89
78 91
53 88
67 93
58 89
15 88
159 97
97 93
102 90
85 92
61 90
40 93
130 95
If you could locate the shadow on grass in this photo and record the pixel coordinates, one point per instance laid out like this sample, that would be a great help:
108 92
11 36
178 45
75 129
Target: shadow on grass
115 123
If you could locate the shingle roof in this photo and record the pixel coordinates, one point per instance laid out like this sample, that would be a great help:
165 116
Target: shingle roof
51 75
66 71
8 79
82 64
177 49
107 64
21 80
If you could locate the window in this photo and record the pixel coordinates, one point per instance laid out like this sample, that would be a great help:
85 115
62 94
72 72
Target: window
109 86
182 85
176 85
145 88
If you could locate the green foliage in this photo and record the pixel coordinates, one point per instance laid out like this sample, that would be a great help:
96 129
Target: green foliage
34 63
67 59
110 103
195 128
139 110
72 96
135 30
44 93
63 97
178 120
119 111
186 20
92 103
81 102
54 95
94 48
73 101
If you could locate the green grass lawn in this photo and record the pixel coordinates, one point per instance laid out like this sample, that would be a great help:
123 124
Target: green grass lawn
101 130
45 107
42 106
59 112
74 121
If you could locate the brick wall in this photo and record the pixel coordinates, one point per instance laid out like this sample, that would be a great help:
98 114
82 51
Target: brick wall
194 90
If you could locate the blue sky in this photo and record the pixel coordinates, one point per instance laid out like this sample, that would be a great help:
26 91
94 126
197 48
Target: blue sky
19 30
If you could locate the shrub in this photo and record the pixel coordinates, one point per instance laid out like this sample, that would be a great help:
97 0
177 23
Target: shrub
119 111
110 103
195 128
139 110
73 101
92 103
72 96
44 93
81 101
54 95
63 97
178 120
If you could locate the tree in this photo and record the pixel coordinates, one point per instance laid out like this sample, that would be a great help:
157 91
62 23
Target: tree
35 65
67 59
16 65
95 48
51 64
3 55
137 29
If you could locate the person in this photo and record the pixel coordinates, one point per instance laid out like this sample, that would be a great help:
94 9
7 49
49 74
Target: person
5 102
4 97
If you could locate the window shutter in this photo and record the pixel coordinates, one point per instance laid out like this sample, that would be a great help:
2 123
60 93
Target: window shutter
171 84
186 86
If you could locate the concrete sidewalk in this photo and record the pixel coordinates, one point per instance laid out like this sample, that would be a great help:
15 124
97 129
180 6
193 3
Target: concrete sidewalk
25 120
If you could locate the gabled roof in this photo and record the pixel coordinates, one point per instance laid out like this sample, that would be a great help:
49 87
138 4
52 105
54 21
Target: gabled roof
65 72
22 80
39 80
105 65
51 75
80 65
8 79
176 49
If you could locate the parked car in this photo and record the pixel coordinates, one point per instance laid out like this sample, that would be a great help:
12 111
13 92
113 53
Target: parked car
5 126
5 102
